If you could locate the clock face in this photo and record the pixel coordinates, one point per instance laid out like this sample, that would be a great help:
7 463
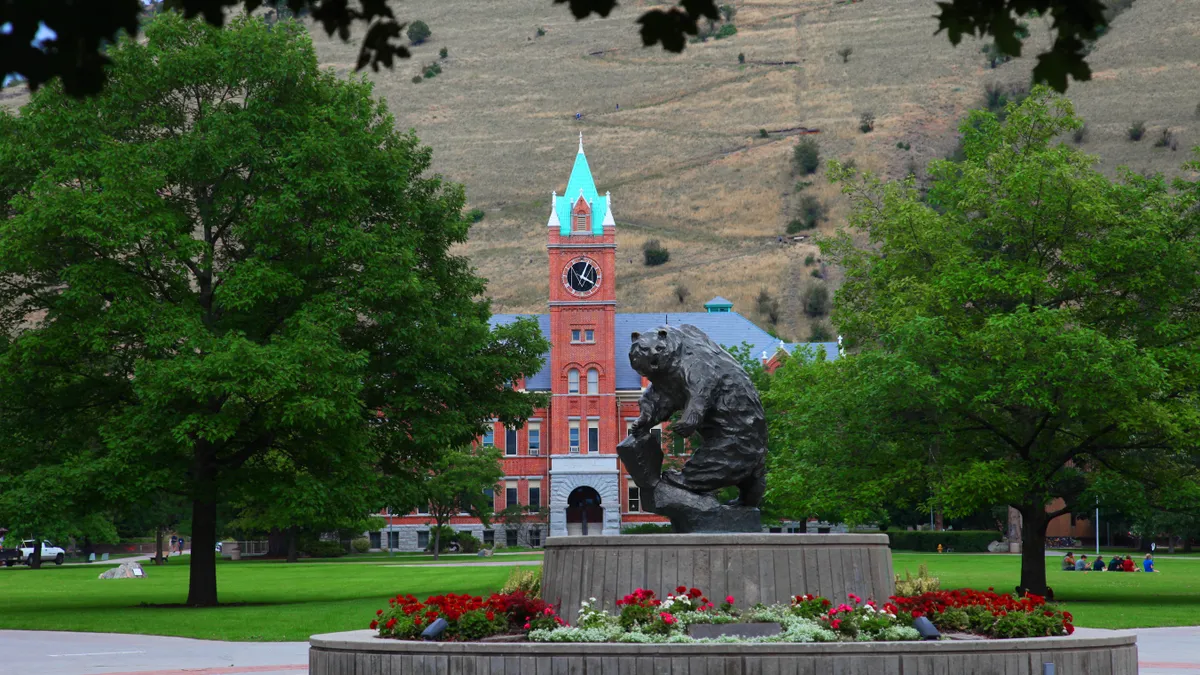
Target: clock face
581 276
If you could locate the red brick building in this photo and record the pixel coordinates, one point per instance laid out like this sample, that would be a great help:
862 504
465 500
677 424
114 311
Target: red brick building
565 457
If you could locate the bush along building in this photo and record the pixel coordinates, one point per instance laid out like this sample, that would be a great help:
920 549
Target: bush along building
561 468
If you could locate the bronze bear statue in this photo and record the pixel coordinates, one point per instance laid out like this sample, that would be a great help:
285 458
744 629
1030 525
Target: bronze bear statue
691 374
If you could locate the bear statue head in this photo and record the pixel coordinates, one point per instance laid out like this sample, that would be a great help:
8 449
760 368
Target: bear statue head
657 351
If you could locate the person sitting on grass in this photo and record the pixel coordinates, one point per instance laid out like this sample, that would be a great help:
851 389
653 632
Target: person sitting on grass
1115 565
1069 562
1098 566
1127 565
1081 565
1148 563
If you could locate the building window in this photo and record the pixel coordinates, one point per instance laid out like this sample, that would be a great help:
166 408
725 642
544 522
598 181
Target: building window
423 509
575 335
593 381
510 538
589 335
510 494
593 435
635 498
510 441
489 438
535 537
573 437
394 539
775 530
489 537
376 539
422 539
572 381
580 221
535 493
535 438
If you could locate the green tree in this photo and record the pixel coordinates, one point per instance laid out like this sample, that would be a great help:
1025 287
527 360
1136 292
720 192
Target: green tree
1024 331
221 257
454 484
418 32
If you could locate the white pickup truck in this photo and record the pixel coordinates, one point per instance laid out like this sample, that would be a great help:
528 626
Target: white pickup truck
49 552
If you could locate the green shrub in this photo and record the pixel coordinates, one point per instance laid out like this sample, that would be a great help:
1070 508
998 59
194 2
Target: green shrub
467 543
810 259
681 292
432 70
997 98
447 536
741 57
816 300
810 211
654 253
444 53
361 545
1136 130
762 133
647 528
922 583
820 332
541 31
418 32
321 548
525 579
903 146
962 541
1165 140
817 273
727 12
767 306
802 185
845 53
417 79
807 156
475 215
994 56
727 30
1080 134
866 122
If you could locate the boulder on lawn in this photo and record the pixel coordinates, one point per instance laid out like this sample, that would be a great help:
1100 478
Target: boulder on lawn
997 547
484 553
126 570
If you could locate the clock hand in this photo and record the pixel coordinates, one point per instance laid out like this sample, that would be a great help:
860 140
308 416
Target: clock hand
589 278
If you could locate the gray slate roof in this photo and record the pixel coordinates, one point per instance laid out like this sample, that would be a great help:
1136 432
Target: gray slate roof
729 329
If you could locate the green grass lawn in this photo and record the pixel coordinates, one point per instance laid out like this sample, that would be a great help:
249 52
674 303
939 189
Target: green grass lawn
278 601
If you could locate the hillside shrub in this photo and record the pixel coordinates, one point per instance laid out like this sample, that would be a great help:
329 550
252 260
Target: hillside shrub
767 306
647 528
962 541
432 70
475 215
1080 134
541 31
810 212
762 133
816 300
654 253
361 545
681 292
810 259
866 123
444 53
418 32
727 12
1136 130
727 30
1165 139
817 273
996 98
417 79
741 57
807 156
820 332
845 53
993 56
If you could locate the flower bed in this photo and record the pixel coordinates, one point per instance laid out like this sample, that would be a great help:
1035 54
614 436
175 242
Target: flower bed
642 617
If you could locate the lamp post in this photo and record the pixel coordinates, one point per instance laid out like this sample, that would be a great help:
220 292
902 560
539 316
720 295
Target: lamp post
1097 527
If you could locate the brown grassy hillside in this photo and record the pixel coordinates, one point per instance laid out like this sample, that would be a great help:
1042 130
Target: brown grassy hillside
683 157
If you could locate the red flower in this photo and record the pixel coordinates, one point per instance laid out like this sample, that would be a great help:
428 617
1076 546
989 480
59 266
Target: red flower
416 621
526 626
680 590
379 612
374 625
1069 628
391 623
729 599
835 624
667 618
491 616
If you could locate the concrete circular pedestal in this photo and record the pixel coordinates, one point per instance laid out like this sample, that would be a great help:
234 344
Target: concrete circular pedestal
361 653
767 568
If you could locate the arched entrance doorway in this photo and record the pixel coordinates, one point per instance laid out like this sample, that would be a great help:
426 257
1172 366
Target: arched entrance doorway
584 513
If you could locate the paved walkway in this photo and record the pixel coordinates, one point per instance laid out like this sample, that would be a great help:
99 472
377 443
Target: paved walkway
1161 651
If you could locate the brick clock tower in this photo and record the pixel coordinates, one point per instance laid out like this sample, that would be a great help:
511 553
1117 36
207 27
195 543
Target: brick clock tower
584 477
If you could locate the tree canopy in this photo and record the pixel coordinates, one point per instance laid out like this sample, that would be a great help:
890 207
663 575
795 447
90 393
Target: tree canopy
454 484
230 264
83 30
1026 332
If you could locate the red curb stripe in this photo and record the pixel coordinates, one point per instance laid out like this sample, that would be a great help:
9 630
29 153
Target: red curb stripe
219 671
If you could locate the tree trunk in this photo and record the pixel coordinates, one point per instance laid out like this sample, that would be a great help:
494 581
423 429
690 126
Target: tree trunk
202 573
938 523
1171 543
35 554
292 555
1033 548
158 539
277 543
1187 544
437 541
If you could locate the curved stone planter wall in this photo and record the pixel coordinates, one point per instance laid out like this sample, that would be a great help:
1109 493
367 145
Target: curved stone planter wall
360 653
765 568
